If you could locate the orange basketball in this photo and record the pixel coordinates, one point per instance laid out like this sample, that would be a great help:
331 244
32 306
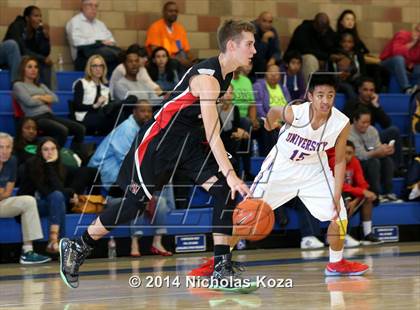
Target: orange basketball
253 219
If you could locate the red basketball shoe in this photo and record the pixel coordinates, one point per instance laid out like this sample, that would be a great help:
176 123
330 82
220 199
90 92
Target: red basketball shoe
345 268
205 270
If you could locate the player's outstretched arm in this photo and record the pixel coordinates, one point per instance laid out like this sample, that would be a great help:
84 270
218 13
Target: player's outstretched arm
275 114
340 162
207 88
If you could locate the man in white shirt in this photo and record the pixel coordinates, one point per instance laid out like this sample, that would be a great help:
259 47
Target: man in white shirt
130 85
87 36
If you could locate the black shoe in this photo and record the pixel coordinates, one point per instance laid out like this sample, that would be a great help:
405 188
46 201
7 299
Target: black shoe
370 239
72 256
226 277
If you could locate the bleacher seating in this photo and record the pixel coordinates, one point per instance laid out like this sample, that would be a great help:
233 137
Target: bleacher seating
191 221
5 80
65 79
7 123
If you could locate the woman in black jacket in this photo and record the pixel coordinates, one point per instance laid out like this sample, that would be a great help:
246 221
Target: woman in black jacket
44 178
33 39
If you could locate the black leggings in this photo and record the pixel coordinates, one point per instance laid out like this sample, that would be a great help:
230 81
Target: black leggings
132 207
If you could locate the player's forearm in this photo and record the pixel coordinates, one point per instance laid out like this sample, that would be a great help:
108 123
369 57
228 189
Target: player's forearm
220 154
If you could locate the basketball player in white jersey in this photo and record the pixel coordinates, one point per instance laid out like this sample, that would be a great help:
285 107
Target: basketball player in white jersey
298 165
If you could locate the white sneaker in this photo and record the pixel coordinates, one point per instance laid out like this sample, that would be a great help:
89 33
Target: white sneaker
350 242
415 193
310 242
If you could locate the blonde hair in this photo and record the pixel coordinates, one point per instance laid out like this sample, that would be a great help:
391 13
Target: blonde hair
88 68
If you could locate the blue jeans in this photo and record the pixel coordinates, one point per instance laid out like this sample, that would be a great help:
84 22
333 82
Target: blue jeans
54 207
10 56
396 65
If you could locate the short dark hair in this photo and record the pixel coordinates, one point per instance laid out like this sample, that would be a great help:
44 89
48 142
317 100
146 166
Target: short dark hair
351 144
165 6
292 54
232 30
364 79
322 78
359 112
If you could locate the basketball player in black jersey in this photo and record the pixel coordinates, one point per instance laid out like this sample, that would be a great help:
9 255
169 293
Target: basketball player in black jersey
172 142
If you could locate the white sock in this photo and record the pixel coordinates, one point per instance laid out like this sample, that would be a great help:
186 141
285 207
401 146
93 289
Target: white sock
335 256
27 248
367 227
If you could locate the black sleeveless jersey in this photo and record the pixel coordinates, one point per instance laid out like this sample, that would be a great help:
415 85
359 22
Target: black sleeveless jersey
161 140
181 111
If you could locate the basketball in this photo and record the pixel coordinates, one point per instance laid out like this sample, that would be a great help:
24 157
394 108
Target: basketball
253 220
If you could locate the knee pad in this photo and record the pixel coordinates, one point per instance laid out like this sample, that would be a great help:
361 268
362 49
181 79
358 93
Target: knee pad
223 207
342 227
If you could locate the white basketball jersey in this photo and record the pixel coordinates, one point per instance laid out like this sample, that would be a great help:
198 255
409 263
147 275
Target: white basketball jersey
300 143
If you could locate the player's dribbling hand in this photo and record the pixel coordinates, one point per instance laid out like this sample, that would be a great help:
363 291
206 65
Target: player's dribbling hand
237 185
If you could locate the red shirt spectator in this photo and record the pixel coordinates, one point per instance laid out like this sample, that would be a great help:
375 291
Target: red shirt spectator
354 181
399 45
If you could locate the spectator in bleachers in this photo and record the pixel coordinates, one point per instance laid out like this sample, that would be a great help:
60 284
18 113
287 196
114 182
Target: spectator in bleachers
44 178
268 93
348 63
401 56
129 84
162 69
78 177
33 38
110 153
91 104
87 36
243 98
171 35
346 22
369 99
10 57
314 39
292 77
143 76
375 157
35 100
23 206
357 195
231 132
267 45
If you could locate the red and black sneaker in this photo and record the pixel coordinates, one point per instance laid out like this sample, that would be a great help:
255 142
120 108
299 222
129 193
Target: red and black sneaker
205 270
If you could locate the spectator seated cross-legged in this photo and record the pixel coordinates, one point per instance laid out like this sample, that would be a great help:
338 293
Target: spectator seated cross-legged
20 205
92 106
374 156
88 35
35 100
33 38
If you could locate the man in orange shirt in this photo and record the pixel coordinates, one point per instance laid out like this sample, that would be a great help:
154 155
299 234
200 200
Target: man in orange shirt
170 34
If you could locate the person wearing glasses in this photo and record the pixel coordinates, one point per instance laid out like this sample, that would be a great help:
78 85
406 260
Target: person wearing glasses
91 104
